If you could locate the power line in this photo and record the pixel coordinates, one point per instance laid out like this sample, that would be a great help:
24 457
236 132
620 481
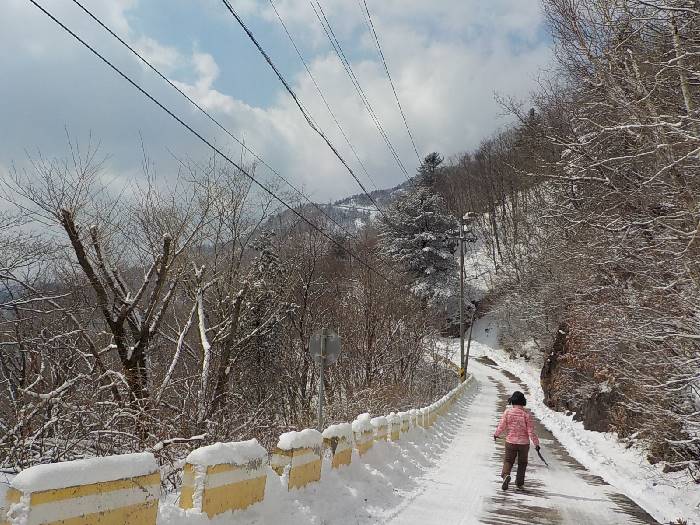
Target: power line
338 48
388 74
205 112
298 103
240 168
320 92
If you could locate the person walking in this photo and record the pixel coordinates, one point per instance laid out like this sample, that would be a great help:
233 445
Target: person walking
520 431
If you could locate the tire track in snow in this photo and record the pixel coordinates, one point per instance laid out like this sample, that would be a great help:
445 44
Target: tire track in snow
464 486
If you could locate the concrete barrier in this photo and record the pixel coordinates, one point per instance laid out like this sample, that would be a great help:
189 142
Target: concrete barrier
394 421
298 455
224 477
405 418
413 418
122 490
338 439
424 417
380 425
125 490
363 434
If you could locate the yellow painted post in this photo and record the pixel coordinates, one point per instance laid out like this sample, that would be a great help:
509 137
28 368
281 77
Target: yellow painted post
299 454
120 490
422 417
405 418
380 425
224 477
363 434
338 439
413 422
394 421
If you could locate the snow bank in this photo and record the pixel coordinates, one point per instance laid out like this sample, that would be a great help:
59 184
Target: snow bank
308 438
341 430
362 423
239 453
84 472
364 492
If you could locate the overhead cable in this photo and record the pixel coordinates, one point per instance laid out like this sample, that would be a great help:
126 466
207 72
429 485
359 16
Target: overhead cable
208 115
298 103
373 31
207 142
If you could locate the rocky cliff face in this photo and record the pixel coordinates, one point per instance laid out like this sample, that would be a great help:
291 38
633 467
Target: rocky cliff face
567 389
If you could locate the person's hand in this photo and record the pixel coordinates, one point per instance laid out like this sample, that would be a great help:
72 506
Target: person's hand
537 448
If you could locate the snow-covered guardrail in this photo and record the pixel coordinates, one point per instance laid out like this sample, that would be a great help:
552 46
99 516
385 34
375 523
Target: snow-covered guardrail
115 489
298 456
218 478
338 439
363 434
394 421
405 421
381 428
223 477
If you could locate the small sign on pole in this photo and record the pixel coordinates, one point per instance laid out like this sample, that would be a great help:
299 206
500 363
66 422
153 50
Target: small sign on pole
324 347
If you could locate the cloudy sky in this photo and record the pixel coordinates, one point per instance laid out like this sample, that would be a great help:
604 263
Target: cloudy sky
448 59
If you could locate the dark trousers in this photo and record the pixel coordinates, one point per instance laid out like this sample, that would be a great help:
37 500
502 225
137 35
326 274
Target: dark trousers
513 453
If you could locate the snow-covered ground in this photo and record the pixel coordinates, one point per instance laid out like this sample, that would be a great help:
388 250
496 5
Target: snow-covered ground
370 490
464 487
449 474
667 497
446 475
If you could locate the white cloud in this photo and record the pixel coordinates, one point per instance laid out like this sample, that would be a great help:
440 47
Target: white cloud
447 58
165 58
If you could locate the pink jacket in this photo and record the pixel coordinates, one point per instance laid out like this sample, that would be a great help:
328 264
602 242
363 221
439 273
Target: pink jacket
518 422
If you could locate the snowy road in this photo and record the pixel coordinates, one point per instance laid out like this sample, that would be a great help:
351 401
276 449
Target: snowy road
464 486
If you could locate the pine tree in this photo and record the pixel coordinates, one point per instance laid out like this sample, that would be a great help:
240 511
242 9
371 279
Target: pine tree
429 168
417 233
266 307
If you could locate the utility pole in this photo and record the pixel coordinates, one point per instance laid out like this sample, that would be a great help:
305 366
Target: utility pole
324 337
462 374
469 341
467 218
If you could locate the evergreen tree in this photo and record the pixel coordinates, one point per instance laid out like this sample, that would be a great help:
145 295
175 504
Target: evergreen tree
266 307
428 170
420 235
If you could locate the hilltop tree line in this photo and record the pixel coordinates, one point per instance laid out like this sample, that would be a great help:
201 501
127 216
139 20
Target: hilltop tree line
590 218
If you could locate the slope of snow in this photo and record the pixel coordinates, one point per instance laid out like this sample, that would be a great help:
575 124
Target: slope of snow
667 497
368 491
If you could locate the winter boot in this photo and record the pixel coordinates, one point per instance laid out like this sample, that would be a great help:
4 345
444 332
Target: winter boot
506 482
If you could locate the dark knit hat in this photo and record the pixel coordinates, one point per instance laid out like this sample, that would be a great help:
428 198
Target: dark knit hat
518 398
